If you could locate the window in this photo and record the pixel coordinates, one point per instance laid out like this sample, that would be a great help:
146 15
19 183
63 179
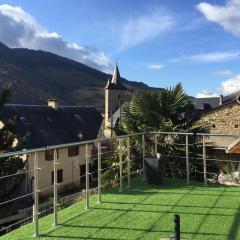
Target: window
213 125
73 151
24 120
79 118
94 169
80 135
49 119
49 155
59 176
82 175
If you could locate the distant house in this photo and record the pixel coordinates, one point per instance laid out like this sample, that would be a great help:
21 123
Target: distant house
52 125
225 117
222 116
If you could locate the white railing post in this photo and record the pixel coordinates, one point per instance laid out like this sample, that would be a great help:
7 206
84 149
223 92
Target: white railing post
33 213
120 165
128 162
36 196
156 145
204 161
87 178
99 173
143 152
187 160
55 188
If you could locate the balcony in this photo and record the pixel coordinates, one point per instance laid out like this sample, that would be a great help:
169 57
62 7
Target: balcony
134 209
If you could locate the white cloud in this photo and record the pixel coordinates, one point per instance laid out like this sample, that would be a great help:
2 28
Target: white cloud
208 57
231 85
145 27
227 16
226 87
223 73
19 29
156 66
206 94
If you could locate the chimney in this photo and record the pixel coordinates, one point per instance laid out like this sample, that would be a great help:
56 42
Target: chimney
53 103
220 99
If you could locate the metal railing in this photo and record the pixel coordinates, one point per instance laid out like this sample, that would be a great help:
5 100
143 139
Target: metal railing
149 145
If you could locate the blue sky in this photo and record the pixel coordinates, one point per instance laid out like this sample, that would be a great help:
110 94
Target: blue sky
157 42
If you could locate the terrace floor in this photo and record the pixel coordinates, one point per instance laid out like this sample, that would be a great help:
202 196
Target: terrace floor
146 212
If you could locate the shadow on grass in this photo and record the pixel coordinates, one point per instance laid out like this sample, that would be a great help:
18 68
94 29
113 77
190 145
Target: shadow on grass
168 211
235 226
169 205
146 191
146 230
65 224
89 238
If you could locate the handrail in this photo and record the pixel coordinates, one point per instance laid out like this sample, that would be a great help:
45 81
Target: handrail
42 149
58 146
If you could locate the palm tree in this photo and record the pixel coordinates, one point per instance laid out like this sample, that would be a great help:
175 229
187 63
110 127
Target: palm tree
169 110
165 111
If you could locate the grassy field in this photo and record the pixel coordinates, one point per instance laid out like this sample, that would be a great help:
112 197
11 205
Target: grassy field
146 212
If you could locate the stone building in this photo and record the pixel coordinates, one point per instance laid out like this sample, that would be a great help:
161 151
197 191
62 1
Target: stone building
222 116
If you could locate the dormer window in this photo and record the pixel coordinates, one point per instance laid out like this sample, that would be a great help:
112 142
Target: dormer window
79 118
49 119
80 135
24 120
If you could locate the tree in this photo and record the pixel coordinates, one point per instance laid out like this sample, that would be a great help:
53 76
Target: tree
9 165
165 111
169 110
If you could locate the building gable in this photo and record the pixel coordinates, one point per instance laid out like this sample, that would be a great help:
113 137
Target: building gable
47 126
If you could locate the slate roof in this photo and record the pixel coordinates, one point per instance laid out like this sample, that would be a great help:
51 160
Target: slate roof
213 102
48 126
115 86
203 103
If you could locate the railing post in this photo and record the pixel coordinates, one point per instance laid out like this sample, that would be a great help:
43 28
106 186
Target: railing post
87 178
120 165
156 145
128 162
143 152
99 173
55 188
33 213
177 227
36 196
204 161
187 160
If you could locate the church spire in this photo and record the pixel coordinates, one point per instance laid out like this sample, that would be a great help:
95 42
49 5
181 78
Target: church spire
116 78
116 82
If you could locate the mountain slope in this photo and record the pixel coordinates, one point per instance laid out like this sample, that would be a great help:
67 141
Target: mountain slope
38 75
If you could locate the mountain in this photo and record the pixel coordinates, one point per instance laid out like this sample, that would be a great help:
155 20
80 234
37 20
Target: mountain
38 75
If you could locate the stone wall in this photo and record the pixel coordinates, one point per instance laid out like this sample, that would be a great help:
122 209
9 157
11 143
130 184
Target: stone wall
224 119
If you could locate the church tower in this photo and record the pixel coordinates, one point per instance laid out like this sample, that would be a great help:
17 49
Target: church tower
114 92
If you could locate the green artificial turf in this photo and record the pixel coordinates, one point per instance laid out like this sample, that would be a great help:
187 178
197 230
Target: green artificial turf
146 212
